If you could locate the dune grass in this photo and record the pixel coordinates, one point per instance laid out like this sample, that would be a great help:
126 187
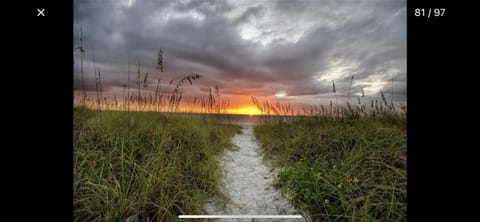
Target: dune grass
341 169
144 166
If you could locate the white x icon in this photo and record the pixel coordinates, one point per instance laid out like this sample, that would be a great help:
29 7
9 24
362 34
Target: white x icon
40 12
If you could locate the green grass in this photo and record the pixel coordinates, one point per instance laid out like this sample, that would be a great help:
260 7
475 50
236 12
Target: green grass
341 169
142 166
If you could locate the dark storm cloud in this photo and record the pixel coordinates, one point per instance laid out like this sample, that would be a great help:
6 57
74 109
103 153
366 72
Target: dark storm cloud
297 47
89 85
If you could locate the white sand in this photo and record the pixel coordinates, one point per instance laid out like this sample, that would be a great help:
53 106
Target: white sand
249 183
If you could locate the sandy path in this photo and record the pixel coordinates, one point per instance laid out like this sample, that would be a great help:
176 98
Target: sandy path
249 183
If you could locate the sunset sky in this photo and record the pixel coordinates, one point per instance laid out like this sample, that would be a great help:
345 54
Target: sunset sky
286 50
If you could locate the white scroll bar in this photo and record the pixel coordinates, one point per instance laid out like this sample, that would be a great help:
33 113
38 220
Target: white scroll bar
238 216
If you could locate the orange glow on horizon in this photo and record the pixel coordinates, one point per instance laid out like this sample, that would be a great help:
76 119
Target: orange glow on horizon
240 109
250 110
237 104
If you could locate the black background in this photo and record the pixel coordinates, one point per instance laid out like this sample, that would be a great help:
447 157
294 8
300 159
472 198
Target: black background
438 113
38 153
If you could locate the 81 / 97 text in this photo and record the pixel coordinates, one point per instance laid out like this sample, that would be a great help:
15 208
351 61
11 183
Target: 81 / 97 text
422 12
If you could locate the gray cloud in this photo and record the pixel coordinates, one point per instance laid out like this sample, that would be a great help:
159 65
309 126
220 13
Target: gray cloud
248 47
89 85
250 13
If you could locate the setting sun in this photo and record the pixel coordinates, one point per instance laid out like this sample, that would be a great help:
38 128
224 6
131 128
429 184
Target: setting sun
250 110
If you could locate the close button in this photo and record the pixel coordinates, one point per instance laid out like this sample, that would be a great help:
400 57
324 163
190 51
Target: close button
40 12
